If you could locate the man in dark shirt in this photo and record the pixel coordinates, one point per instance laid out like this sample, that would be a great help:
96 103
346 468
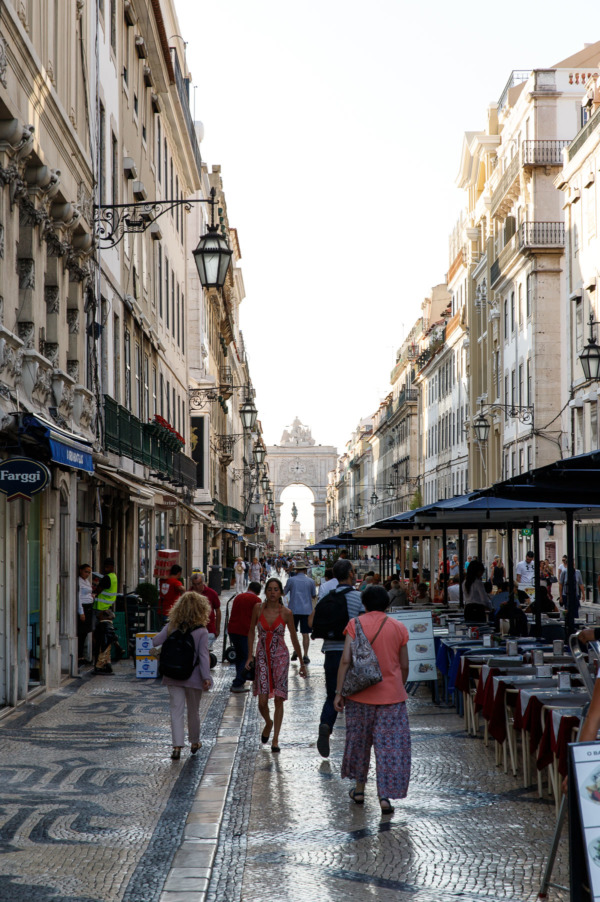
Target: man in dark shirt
197 584
238 629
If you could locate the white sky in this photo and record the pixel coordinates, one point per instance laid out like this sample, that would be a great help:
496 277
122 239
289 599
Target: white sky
338 125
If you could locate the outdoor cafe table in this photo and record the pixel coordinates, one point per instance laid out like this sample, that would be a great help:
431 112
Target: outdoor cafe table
530 702
556 736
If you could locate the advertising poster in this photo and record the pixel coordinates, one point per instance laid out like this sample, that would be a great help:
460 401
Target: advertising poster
585 830
421 647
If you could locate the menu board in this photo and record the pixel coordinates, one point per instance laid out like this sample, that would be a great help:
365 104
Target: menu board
584 818
421 646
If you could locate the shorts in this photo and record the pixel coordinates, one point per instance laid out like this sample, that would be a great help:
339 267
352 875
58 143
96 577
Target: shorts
302 621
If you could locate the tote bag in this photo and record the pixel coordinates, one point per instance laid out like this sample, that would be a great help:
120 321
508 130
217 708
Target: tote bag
364 671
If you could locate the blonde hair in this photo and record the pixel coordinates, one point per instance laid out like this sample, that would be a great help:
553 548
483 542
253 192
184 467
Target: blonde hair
192 609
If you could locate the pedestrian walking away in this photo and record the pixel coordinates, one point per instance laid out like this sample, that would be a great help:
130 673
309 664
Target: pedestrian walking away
188 615
197 584
348 600
238 628
376 716
301 590
272 661
171 588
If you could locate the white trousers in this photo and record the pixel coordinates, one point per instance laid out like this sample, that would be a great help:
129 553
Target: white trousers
239 582
179 697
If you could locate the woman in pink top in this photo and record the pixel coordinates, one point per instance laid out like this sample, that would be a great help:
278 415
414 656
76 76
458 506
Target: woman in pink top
377 715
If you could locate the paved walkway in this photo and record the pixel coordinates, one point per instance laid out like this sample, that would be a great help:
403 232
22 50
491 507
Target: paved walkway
92 809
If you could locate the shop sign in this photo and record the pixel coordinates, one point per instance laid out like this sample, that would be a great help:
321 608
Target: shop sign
166 502
21 477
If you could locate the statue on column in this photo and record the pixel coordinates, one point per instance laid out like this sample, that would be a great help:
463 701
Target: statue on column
294 512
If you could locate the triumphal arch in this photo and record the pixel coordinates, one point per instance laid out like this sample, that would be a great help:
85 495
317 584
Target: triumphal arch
298 459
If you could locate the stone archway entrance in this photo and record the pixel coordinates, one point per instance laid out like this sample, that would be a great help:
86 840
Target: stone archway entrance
297 459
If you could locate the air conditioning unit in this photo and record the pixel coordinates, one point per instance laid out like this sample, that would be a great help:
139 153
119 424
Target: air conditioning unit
155 232
140 46
139 192
129 168
148 77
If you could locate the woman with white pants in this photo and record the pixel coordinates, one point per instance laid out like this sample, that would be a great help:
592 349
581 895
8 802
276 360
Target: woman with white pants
240 575
191 612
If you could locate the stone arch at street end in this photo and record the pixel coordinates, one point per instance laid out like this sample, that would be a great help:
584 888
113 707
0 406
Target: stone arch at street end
297 459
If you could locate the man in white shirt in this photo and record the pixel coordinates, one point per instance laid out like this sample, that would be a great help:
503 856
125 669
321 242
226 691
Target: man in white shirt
454 591
525 571
328 585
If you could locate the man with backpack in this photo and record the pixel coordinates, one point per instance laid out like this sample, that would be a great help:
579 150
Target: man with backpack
328 622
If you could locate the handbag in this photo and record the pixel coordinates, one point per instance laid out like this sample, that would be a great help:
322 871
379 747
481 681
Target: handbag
364 671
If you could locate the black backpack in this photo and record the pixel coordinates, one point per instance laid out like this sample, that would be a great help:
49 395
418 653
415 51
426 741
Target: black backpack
331 616
178 655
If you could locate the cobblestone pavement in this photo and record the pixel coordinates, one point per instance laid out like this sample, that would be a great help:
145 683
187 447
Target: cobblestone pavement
93 810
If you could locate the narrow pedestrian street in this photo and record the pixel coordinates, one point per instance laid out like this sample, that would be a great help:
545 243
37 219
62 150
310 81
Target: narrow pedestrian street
94 810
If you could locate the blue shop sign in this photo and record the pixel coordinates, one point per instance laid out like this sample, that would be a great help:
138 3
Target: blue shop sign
65 448
21 477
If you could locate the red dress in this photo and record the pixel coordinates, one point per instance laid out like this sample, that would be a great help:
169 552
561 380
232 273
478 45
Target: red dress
272 660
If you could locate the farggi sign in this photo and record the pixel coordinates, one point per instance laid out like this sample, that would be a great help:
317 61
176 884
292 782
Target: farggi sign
22 478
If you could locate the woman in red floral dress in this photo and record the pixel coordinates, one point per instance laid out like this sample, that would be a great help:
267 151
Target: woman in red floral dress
272 662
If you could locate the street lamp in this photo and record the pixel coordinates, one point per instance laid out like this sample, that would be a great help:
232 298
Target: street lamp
390 489
265 482
481 428
374 499
259 453
248 414
590 356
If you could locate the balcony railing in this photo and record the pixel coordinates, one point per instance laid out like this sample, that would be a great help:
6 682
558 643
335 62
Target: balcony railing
184 99
582 136
541 234
542 153
125 434
516 77
407 395
506 182
227 514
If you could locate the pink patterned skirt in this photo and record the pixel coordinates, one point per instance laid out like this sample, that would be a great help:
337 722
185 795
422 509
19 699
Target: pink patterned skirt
272 659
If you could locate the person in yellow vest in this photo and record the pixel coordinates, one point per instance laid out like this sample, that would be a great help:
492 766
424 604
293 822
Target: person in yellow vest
105 593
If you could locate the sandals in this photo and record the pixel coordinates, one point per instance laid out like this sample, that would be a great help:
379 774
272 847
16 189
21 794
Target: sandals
275 749
357 797
176 753
195 747
386 806
264 737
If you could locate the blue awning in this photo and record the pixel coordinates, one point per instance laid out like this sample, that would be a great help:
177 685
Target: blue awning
232 532
66 448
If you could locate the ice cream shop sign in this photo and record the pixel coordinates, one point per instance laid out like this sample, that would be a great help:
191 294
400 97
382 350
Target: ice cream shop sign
21 477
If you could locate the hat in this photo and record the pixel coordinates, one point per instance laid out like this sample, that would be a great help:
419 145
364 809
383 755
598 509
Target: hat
197 573
300 565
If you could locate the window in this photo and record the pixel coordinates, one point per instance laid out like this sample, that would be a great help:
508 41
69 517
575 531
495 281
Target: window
166 164
167 291
154 390
102 151
127 361
146 409
168 402
138 379
506 473
117 358
513 387
578 430
126 56
173 302
506 390
529 383
521 384
160 281
182 323
520 305
529 457
177 209
512 311
529 307
521 460
114 168
113 25
513 457
171 169
135 105
178 316
158 140
162 395
505 318
579 324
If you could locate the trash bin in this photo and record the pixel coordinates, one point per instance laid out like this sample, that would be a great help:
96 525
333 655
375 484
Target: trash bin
227 577
215 579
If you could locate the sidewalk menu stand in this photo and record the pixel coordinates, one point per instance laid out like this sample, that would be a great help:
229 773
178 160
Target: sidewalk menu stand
421 645
146 665
584 821
165 558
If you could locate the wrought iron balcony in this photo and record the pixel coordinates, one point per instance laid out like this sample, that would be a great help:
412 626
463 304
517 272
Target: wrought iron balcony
508 187
582 136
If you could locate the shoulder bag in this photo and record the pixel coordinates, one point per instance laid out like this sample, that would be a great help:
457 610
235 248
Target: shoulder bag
364 671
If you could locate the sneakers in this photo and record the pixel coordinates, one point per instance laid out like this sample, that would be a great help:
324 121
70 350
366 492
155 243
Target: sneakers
243 688
306 659
294 657
323 740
